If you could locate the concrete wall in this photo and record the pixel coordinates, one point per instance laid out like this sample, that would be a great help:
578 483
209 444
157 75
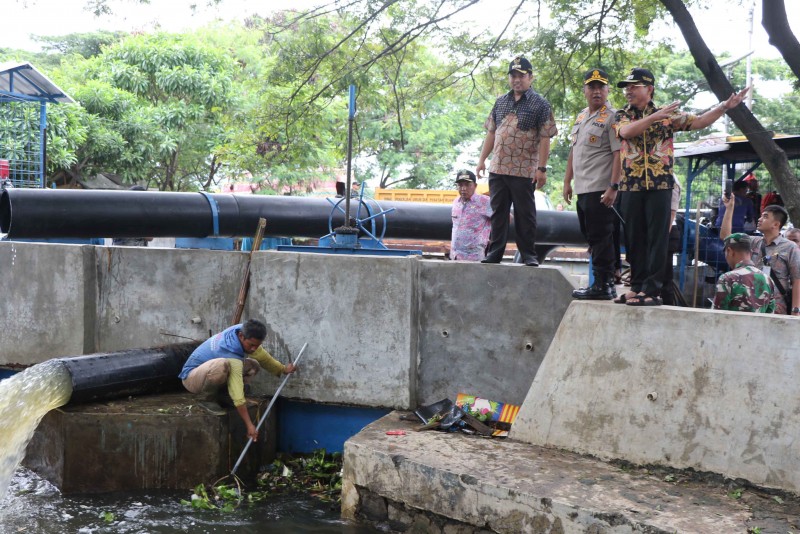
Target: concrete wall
381 332
47 295
146 296
358 316
484 329
714 391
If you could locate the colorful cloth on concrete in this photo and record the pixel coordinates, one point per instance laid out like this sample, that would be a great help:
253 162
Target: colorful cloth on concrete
745 289
517 135
784 261
648 159
471 226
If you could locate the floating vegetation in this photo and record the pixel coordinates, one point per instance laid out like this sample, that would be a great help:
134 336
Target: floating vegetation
318 474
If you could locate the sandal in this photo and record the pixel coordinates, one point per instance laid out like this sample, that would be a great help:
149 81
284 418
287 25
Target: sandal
623 299
644 300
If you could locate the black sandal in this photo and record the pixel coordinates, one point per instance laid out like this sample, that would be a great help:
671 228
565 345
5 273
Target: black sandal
644 300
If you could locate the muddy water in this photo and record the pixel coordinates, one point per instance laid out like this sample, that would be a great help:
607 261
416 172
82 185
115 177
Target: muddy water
24 399
29 504
33 505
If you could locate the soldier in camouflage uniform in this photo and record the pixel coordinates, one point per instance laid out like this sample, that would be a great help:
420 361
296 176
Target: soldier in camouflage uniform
745 288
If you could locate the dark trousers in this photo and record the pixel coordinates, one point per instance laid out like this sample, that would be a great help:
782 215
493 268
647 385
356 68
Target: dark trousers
646 216
618 233
505 190
597 226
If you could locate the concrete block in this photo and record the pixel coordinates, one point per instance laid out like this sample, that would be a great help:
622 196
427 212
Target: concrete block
358 316
484 329
47 304
144 294
142 443
704 389
507 486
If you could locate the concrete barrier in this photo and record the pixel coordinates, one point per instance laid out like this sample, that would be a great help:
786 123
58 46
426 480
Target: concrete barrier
382 332
358 316
147 296
47 305
708 390
484 329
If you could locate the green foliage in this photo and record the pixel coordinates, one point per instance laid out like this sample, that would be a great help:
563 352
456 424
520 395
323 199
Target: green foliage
84 44
318 474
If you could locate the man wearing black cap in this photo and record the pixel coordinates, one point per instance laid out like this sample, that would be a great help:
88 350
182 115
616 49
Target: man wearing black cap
519 129
594 164
471 215
647 158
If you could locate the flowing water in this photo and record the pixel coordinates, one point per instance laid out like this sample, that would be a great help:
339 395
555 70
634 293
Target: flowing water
24 399
29 504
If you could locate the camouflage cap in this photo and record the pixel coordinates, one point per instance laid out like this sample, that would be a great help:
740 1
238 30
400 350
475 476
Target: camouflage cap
738 239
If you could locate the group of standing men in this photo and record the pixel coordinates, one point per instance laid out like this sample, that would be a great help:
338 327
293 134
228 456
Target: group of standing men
627 153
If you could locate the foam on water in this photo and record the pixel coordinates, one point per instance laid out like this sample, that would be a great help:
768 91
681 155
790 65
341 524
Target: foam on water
24 399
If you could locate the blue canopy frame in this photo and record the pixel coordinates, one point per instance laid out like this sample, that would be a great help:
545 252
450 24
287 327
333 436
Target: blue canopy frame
22 83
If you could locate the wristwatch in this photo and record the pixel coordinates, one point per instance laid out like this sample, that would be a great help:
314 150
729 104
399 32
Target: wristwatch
795 310
615 187
542 169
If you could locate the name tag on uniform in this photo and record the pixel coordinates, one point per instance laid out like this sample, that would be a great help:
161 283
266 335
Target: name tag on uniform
766 270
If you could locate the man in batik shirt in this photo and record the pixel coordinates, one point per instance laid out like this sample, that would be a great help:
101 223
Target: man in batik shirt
471 215
518 132
646 134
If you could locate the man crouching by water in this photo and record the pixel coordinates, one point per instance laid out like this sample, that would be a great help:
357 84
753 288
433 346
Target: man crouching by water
229 359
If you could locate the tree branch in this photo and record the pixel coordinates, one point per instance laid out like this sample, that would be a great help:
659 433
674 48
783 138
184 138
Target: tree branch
776 23
773 157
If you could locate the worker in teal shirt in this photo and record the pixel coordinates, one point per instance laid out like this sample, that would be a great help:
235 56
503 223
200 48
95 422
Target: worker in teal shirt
229 359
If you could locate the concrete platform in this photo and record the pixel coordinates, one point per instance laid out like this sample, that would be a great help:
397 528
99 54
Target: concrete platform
142 443
453 483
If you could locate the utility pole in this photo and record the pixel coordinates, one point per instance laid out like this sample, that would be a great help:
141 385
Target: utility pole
749 82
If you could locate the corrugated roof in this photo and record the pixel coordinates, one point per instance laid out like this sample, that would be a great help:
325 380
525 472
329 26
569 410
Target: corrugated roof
24 79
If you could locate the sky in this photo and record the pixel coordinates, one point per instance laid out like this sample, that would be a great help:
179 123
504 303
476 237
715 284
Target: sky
725 26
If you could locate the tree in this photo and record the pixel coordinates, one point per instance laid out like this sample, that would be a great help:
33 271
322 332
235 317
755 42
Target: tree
156 103
773 157
776 23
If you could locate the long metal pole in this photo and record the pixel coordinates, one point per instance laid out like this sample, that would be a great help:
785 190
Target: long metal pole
350 120
269 407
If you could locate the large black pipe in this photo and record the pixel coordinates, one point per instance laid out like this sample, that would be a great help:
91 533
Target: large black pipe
112 375
48 213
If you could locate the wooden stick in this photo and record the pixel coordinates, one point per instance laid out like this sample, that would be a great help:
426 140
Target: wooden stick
237 314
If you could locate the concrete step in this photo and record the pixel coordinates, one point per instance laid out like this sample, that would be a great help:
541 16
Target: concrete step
452 482
165 441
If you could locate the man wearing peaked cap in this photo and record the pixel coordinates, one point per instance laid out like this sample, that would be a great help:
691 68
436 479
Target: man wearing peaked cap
638 76
471 215
646 135
744 288
593 164
519 129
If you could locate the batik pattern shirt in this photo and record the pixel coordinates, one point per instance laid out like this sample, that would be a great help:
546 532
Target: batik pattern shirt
648 159
745 289
471 226
519 126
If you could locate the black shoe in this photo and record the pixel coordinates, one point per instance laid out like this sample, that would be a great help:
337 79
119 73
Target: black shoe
596 292
489 260
532 262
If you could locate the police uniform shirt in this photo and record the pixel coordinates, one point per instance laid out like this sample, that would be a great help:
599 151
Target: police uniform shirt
593 145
